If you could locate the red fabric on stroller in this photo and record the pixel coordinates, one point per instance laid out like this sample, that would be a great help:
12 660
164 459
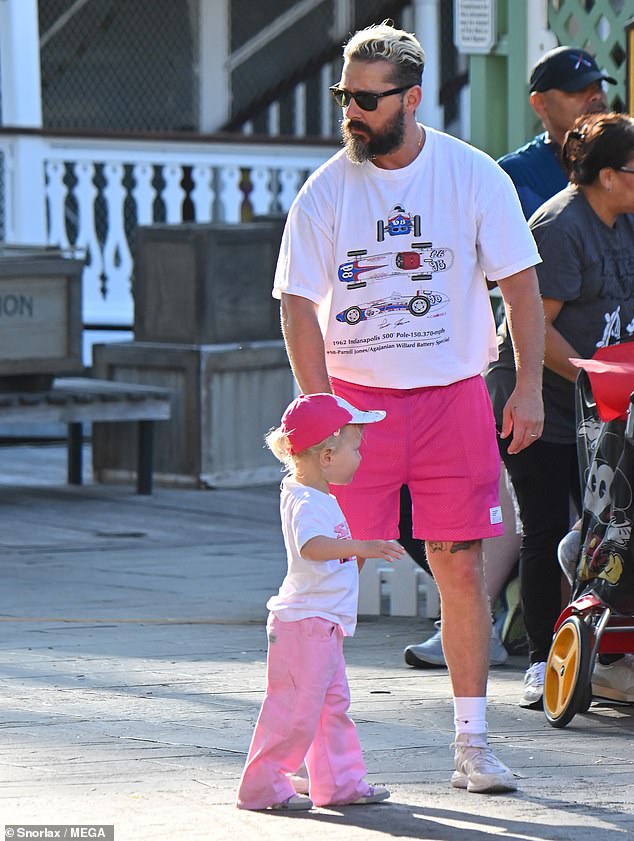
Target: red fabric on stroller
606 459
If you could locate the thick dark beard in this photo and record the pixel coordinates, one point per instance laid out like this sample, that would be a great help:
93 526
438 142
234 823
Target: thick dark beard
359 151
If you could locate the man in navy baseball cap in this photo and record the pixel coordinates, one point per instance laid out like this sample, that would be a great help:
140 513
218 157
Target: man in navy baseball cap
566 69
564 84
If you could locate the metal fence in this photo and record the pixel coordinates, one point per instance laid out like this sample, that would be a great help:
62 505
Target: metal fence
130 65
119 65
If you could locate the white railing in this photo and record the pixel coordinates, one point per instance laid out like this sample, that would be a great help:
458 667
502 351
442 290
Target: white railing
323 105
97 191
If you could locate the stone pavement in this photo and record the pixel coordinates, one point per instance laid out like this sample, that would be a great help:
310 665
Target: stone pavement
132 661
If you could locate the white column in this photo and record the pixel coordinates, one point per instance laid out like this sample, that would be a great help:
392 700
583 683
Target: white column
539 38
25 203
20 57
427 30
342 18
213 52
22 108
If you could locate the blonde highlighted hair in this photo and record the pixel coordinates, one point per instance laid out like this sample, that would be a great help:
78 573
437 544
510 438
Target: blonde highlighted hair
383 42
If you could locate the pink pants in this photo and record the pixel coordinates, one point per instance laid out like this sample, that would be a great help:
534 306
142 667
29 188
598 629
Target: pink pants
304 718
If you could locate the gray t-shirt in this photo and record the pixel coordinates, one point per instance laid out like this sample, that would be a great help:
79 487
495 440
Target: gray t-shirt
590 267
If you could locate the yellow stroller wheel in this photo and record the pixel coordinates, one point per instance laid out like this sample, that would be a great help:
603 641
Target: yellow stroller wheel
567 688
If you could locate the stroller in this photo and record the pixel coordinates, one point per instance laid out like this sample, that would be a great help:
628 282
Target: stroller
599 618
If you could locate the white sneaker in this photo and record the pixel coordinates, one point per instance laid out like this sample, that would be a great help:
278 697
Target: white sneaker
616 680
430 653
375 795
533 694
478 769
294 803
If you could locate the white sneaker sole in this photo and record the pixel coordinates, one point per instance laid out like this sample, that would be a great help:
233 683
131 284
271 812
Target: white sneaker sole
528 704
611 694
430 661
379 797
295 803
492 786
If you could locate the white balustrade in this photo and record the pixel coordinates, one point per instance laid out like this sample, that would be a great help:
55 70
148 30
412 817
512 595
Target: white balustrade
55 197
231 195
143 193
173 194
203 194
401 588
85 194
260 195
93 186
116 253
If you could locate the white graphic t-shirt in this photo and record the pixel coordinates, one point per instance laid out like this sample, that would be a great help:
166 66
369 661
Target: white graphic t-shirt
396 261
329 589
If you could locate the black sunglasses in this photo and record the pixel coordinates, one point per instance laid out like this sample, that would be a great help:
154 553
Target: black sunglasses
626 168
366 100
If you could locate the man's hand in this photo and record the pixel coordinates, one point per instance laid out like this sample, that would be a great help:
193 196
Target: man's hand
523 416
524 412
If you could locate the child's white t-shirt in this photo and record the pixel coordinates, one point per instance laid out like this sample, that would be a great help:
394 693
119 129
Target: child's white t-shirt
396 261
329 589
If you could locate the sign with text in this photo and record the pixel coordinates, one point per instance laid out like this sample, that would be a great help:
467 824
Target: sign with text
474 25
33 317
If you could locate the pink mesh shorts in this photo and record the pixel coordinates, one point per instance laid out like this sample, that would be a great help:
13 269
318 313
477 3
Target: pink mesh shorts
440 441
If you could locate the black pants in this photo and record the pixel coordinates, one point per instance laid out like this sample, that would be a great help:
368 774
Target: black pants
545 477
414 547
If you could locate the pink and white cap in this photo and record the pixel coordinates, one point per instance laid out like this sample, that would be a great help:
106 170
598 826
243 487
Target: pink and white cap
311 418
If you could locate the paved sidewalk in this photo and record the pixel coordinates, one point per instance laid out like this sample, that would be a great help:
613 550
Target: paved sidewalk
132 656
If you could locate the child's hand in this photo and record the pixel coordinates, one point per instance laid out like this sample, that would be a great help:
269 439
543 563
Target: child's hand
387 550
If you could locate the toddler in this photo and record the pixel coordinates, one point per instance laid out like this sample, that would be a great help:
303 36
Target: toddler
304 714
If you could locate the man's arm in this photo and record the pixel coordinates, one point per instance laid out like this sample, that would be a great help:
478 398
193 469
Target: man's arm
524 411
304 344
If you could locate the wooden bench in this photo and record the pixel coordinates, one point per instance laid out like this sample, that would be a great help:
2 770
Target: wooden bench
78 400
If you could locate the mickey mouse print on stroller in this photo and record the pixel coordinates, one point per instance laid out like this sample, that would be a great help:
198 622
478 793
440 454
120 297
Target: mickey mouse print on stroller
599 618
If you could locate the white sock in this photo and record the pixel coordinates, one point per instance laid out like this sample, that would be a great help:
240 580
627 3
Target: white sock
470 715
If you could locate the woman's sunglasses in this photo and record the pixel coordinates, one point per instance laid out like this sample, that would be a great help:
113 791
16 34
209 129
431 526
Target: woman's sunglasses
366 100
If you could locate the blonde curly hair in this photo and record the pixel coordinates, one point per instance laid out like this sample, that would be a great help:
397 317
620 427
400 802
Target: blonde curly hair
277 442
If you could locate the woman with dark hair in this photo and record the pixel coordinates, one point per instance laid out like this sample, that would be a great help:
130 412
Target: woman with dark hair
585 236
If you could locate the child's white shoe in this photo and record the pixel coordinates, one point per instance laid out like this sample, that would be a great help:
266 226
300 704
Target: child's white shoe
375 795
294 803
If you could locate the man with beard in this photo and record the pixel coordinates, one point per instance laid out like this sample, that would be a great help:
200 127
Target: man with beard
564 84
381 277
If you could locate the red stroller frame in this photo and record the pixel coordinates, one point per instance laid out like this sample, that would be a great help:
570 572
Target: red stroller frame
598 619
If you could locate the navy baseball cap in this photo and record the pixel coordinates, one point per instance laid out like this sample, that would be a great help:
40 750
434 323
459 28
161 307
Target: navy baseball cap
566 69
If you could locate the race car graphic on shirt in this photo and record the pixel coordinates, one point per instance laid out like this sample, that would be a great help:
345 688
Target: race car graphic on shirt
421 262
417 305
399 223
